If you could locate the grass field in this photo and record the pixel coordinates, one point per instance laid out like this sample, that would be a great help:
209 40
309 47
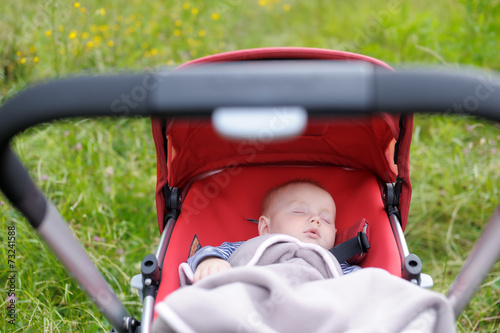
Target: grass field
101 173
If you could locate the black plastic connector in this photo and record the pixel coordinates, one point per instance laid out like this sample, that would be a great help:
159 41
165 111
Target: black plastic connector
392 192
363 241
132 325
151 274
412 268
351 247
173 202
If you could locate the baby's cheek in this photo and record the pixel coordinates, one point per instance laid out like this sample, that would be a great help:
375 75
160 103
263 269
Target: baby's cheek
332 238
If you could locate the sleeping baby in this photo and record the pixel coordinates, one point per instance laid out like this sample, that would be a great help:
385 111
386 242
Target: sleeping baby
299 208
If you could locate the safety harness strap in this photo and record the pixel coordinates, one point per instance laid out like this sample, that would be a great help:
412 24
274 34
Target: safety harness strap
350 248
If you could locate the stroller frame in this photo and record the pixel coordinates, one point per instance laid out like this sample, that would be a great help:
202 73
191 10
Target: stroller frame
407 91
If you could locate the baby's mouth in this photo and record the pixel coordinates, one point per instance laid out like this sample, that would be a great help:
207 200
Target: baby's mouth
313 233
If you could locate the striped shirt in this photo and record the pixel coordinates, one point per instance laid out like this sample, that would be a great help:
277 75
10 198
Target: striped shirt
226 249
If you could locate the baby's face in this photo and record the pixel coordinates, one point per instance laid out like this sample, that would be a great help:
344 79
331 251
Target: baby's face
303 211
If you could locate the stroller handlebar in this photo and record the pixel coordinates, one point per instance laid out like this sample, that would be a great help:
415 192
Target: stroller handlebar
319 87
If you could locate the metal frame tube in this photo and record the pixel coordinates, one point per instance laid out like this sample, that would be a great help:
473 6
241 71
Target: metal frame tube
164 240
147 313
398 230
60 239
483 256
149 300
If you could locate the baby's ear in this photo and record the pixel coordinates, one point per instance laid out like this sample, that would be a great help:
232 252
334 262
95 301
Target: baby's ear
264 225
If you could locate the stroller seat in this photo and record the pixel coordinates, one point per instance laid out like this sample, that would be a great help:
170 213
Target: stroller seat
217 208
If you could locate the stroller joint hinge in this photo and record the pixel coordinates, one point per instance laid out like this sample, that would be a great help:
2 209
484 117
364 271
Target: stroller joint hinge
392 193
173 201
130 325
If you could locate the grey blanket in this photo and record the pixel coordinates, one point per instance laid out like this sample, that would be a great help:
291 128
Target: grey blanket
279 284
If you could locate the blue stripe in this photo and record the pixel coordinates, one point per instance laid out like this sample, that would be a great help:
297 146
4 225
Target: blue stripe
224 252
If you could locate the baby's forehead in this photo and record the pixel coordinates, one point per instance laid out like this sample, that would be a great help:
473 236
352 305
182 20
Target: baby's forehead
299 188
294 193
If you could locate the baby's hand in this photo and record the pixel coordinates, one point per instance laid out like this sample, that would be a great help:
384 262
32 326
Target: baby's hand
210 266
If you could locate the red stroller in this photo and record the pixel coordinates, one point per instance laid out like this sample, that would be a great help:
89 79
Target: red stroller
363 160
354 158
364 163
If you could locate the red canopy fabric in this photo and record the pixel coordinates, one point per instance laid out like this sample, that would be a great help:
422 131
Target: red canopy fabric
364 143
285 53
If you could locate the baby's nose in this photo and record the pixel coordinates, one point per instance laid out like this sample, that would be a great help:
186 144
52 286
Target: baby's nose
315 219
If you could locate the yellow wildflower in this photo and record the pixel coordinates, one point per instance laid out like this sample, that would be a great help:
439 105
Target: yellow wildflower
101 11
286 7
90 44
23 60
85 35
177 32
19 53
194 11
185 6
35 59
262 3
178 23
193 42
77 4
202 33
154 52
215 16
73 34
110 43
83 10
48 33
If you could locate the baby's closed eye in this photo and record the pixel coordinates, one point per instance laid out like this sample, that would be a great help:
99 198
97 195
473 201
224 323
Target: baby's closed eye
326 219
299 210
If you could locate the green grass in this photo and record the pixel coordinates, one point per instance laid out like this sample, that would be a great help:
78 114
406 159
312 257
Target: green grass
101 177
101 173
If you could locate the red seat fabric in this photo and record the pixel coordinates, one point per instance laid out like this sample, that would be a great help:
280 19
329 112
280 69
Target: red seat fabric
216 210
